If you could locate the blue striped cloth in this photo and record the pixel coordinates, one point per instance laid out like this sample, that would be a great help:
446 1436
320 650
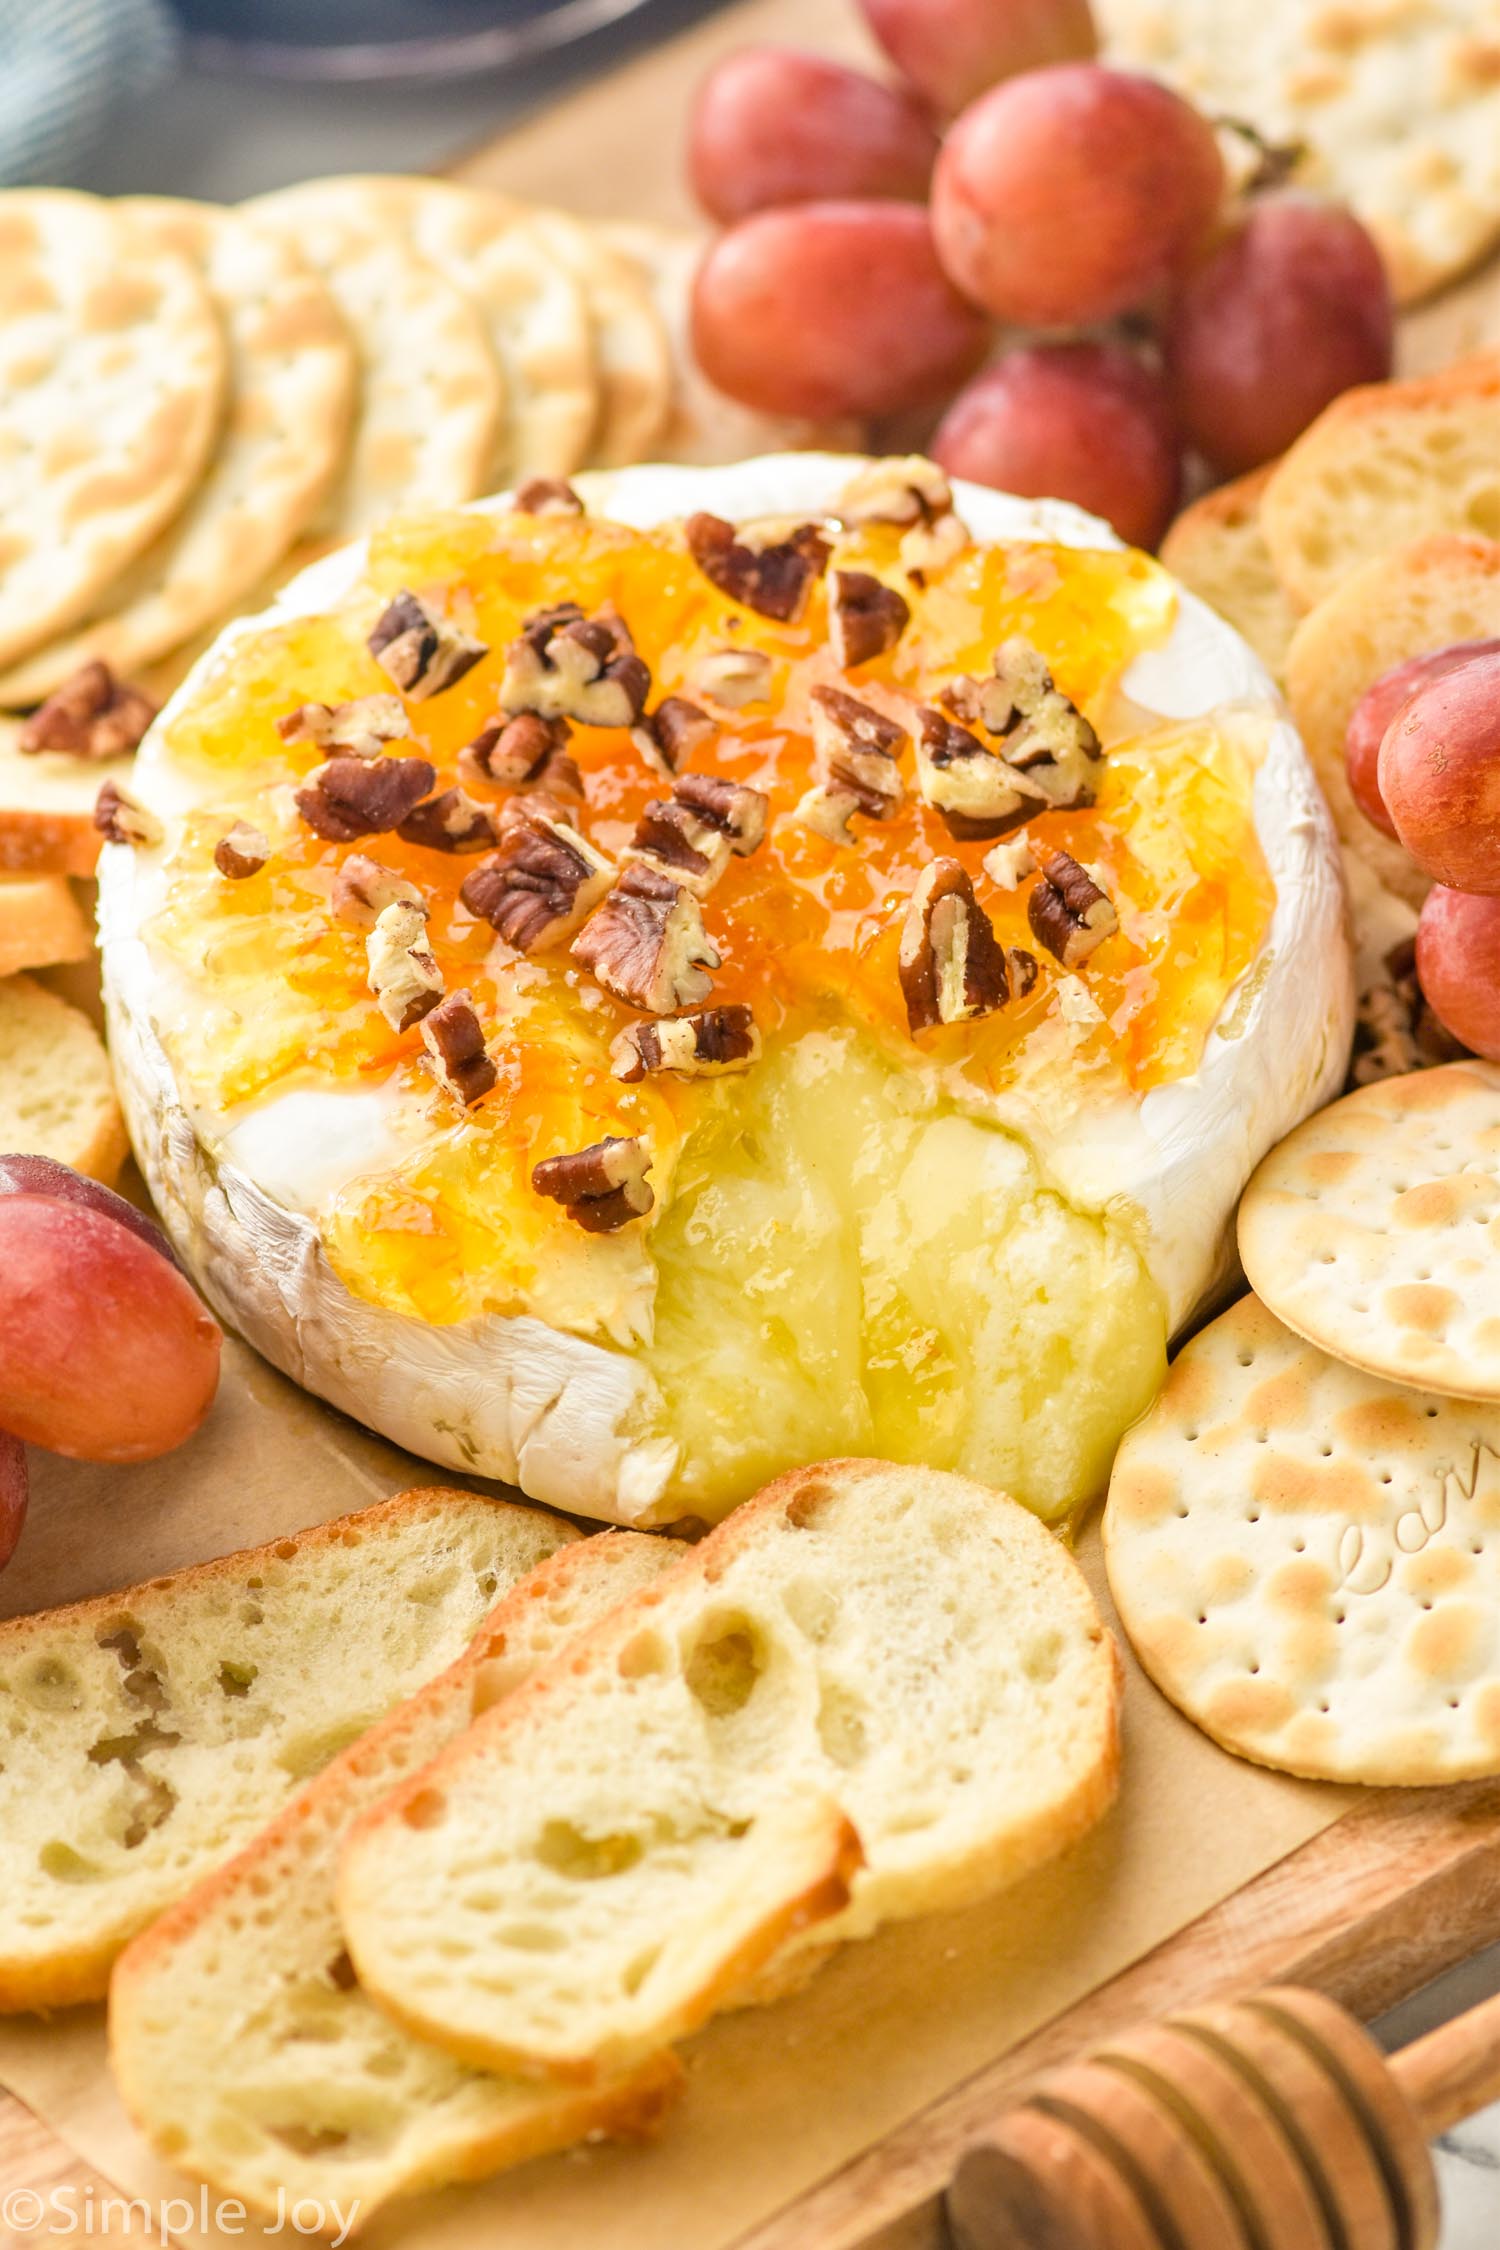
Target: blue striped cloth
65 67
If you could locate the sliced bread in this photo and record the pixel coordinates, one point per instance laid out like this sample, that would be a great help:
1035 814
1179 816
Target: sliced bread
1383 465
1218 550
145 1735
873 1692
243 2044
41 924
57 1095
47 801
1402 603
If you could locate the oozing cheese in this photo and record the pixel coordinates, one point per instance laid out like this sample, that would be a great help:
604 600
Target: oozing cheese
967 1247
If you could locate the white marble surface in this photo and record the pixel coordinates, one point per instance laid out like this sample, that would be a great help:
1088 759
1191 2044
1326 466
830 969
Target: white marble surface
1468 2159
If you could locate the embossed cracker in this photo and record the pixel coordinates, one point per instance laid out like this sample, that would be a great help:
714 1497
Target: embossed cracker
1307 1559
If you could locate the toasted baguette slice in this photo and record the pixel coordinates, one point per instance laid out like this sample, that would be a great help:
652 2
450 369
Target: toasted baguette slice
57 1095
144 1736
41 924
47 807
1218 550
245 2049
1403 603
1383 465
873 1692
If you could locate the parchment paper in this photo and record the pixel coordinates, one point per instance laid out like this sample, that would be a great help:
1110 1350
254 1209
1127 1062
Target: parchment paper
777 2097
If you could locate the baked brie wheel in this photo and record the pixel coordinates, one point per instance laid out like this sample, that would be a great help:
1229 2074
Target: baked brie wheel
628 989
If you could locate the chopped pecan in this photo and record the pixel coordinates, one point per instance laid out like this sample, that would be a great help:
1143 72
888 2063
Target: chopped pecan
761 572
350 797
120 820
539 885
449 822
706 1044
670 836
895 490
1008 864
865 618
647 945
930 547
973 788
672 732
1069 914
734 677
1023 969
548 496
856 751
454 1038
603 1187
526 752
733 807
565 665
1042 734
363 889
361 728
242 852
92 715
420 651
828 812
404 977
951 964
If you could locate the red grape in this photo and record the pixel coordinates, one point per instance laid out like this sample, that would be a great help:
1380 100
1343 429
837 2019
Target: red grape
1376 709
1082 422
953 50
1439 775
1074 193
825 309
105 1352
1458 966
13 1491
1291 308
774 126
43 1175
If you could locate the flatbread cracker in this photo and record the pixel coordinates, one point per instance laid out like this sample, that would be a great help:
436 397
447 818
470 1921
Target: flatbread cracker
1307 1559
632 350
1374 1229
1397 102
1404 603
531 308
1218 550
113 367
292 387
432 395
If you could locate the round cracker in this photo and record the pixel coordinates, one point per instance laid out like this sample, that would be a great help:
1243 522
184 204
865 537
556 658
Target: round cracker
1307 1559
292 388
632 350
1374 1229
113 366
532 309
432 394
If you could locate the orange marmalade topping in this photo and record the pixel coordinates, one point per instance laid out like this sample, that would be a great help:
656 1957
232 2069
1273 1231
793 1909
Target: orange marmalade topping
808 929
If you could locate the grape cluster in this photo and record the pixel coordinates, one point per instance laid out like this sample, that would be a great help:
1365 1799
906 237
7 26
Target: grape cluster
882 239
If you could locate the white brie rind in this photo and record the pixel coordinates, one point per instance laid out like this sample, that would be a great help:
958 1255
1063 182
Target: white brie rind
523 1402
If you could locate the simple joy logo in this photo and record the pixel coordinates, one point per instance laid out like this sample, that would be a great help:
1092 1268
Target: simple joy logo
1367 1557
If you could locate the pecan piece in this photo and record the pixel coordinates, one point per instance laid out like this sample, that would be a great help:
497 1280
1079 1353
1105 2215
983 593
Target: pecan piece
569 666
454 1038
1068 911
539 885
865 618
670 837
449 822
951 964
773 576
1043 734
913 492
548 496
734 677
404 977
351 797
91 715
855 751
360 728
120 820
363 889
1008 864
526 752
672 732
1023 968
420 651
975 790
647 945
242 852
706 1044
603 1186
733 807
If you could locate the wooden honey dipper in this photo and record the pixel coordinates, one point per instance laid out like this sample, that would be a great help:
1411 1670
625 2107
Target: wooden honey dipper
1269 2123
